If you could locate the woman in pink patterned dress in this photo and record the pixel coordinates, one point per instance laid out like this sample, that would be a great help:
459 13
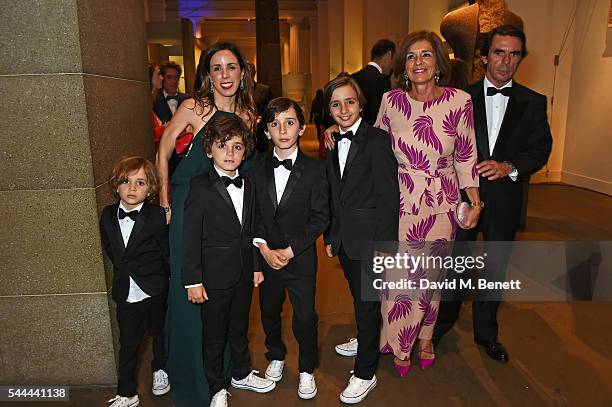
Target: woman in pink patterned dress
432 133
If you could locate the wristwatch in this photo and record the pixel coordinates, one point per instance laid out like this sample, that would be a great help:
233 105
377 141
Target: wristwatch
480 204
166 209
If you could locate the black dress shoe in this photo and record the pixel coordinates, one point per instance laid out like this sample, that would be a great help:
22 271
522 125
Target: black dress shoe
496 351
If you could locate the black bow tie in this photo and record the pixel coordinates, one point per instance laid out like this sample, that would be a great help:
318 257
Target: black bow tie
132 214
348 135
494 91
175 97
285 163
229 181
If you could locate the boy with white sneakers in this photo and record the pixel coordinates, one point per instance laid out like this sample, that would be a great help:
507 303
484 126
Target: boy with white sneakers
292 211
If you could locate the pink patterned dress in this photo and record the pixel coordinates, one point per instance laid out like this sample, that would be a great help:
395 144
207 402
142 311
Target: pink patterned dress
435 147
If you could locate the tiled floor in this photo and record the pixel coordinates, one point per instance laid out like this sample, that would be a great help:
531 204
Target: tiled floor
560 352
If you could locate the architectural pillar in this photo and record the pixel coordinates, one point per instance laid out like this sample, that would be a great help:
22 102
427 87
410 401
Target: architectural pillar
294 46
268 45
79 98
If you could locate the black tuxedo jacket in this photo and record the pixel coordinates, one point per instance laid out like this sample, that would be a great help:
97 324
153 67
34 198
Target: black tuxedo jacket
524 139
217 249
161 108
373 84
300 217
146 257
365 201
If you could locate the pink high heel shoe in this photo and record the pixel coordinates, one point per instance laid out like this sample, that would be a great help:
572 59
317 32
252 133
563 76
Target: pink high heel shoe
425 363
402 371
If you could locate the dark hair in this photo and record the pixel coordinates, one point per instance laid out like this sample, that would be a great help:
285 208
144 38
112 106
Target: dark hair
170 65
129 164
222 128
508 30
204 96
279 105
442 61
339 82
197 81
381 48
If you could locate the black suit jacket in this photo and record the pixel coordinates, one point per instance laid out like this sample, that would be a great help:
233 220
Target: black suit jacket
161 108
365 201
373 84
524 139
217 249
300 217
146 257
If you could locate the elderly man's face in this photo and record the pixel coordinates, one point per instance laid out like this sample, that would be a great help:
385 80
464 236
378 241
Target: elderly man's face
505 55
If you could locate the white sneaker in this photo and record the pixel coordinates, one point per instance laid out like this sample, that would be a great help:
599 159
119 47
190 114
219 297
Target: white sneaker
161 384
357 389
274 371
307 388
220 399
347 349
254 383
120 401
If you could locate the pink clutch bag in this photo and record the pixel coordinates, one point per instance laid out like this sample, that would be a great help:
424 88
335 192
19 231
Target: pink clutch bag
461 212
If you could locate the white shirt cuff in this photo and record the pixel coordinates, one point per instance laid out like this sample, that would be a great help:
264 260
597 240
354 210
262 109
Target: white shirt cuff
193 285
257 241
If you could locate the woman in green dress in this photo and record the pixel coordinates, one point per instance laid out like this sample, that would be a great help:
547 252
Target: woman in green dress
226 89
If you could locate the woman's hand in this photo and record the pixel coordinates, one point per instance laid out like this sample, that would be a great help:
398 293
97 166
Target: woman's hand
328 136
258 278
471 217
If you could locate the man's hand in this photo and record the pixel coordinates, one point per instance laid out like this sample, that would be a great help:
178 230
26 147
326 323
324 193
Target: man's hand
197 295
328 137
274 258
328 250
258 278
287 253
493 170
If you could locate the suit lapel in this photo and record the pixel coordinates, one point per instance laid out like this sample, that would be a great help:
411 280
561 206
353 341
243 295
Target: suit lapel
356 144
141 220
115 229
480 121
270 184
295 175
514 111
220 187
246 201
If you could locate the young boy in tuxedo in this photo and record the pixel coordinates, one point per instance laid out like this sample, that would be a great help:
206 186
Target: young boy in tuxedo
135 238
292 211
218 257
362 174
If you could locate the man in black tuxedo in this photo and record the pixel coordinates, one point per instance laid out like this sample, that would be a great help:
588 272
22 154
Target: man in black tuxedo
373 79
168 99
514 141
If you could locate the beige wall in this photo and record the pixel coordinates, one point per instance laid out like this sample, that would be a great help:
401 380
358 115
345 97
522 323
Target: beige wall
588 138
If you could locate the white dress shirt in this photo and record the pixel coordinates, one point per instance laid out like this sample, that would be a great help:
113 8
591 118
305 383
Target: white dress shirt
172 103
135 294
237 196
375 65
344 146
281 176
496 109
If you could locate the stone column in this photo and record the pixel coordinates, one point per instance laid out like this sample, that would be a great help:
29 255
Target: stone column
189 64
76 97
268 45
294 46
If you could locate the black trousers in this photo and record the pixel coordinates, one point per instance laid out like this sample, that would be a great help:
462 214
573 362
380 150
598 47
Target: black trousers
133 319
301 289
484 313
367 318
225 318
